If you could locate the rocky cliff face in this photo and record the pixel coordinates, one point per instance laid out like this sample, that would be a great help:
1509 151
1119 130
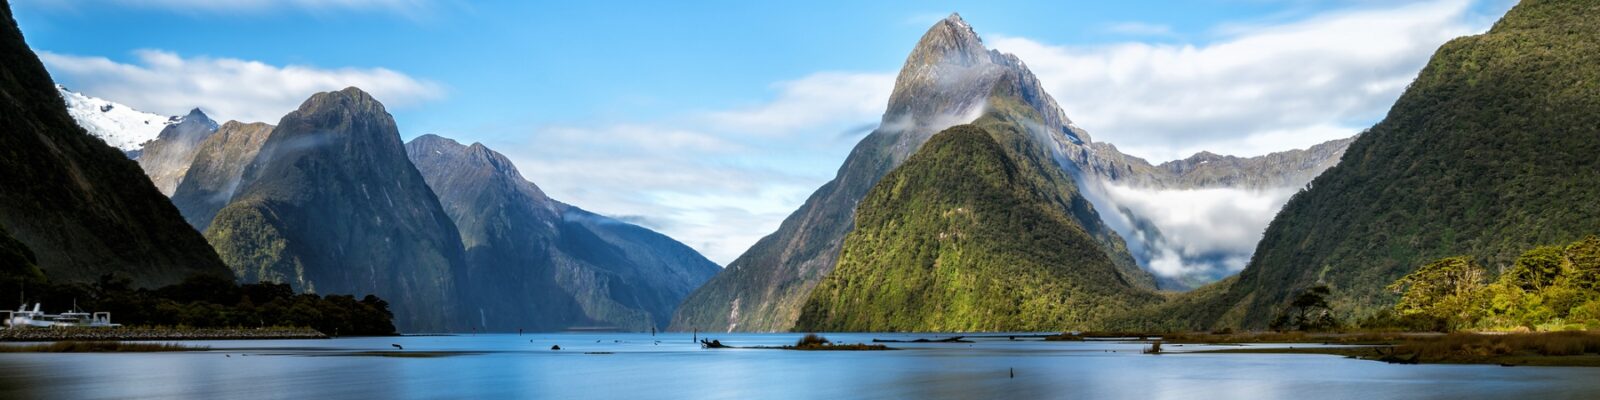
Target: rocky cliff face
332 204
1291 168
213 175
166 159
539 264
81 207
947 80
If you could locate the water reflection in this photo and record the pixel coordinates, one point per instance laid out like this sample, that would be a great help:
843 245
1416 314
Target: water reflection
511 366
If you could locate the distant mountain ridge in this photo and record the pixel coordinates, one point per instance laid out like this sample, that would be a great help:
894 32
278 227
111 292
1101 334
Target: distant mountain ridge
332 204
1289 168
536 263
264 183
166 159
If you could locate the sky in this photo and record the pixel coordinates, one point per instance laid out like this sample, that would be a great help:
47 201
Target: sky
712 121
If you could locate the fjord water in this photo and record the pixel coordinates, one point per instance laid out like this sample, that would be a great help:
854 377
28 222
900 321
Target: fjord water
613 365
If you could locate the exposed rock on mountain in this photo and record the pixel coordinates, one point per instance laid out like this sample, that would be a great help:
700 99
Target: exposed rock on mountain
166 159
82 208
974 232
332 204
536 263
218 165
1292 168
947 80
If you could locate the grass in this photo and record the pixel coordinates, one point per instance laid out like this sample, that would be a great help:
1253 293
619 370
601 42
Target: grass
1578 349
98 347
1082 336
1346 338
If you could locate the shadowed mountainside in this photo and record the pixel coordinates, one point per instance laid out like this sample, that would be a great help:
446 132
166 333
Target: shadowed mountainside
82 207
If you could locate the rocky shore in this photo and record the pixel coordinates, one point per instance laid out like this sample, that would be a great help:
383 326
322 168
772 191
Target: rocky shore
149 333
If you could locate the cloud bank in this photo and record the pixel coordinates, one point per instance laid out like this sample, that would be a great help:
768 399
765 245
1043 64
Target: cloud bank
1203 233
227 88
1257 89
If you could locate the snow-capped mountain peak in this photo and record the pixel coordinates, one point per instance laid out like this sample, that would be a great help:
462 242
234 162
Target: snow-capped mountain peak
118 125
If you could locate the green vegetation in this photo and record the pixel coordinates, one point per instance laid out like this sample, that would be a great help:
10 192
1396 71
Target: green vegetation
1571 349
1491 151
1308 312
71 346
1341 338
767 288
977 231
1547 288
204 301
812 341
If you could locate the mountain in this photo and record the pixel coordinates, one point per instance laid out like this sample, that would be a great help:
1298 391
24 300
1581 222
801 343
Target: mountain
973 233
17 261
1492 150
1195 220
1291 168
215 170
947 80
166 159
332 204
536 263
82 208
118 125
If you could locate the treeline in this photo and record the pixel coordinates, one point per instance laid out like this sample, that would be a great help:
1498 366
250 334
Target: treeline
1549 288
204 301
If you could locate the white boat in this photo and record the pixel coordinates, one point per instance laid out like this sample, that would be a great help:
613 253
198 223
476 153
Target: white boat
22 317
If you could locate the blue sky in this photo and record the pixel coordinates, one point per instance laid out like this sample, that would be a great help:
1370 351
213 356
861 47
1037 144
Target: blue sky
710 121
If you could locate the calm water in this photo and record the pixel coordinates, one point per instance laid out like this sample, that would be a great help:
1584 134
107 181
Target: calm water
512 366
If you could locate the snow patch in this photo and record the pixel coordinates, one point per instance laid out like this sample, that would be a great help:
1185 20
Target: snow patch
118 125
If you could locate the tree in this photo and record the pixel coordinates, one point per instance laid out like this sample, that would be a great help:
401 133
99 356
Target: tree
1584 257
1448 289
1308 312
1536 269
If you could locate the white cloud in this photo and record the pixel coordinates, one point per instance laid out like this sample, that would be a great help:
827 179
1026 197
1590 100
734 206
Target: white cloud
1255 84
227 88
715 180
813 100
1203 231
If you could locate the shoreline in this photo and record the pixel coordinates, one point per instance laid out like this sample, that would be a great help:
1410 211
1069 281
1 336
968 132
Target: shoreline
1551 349
1389 354
149 333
